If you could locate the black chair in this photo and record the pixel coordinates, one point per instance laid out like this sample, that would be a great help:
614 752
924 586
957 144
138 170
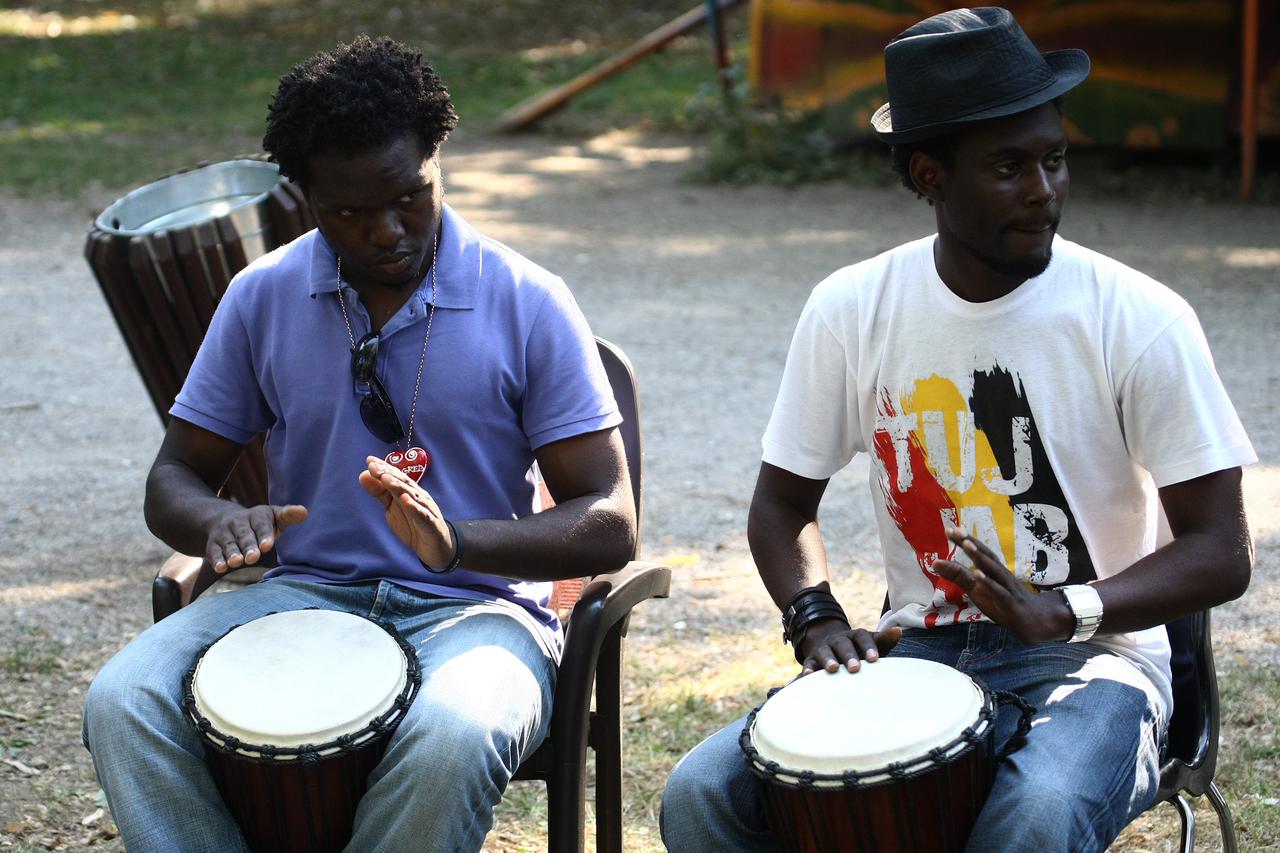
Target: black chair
1192 754
592 658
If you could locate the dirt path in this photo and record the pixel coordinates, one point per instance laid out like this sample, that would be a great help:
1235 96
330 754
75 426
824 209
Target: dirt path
700 285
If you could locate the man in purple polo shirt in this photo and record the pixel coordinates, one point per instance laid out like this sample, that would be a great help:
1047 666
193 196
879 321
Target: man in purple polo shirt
408 372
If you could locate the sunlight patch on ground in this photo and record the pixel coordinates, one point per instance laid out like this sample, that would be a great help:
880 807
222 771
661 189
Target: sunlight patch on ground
477 188
52 130
576 47
566 164
1250 256
1237 257
26 23
634 149
1257 643
40 593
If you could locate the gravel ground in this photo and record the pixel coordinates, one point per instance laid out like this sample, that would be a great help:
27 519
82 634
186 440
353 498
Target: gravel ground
700 285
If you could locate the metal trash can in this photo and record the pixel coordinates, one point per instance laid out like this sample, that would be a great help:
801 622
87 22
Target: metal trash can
164 254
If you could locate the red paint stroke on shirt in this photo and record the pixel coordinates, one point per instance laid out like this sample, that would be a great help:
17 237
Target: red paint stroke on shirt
918 512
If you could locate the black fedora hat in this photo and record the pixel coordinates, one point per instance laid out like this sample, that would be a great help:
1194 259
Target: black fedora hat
968 65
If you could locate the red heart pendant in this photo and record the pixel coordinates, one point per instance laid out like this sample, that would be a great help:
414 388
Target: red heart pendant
415 461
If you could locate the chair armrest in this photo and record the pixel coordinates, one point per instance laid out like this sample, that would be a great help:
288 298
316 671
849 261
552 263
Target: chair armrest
183 578
180 580
608 599
605 604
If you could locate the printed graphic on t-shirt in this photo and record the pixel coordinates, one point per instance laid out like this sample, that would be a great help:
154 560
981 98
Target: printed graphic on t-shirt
977 463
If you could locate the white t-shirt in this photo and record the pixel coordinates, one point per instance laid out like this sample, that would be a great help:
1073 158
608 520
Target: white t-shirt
1041 422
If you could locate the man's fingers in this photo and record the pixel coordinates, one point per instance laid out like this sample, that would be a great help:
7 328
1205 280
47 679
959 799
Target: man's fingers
214 554
289 515
246 540
384 470
371 483
231 554
974 548
245 535
851 649
847 651
887 639
820 656
864 643
954 572
413 506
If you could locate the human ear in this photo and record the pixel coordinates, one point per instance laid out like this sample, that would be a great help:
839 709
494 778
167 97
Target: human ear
927 175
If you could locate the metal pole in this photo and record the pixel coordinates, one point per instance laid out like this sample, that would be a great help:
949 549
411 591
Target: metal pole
1249 100
526 113
718 45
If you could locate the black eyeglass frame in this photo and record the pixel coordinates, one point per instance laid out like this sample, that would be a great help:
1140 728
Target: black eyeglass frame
376 409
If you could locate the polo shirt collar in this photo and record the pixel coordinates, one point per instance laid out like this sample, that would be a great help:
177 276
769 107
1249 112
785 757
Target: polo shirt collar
458 265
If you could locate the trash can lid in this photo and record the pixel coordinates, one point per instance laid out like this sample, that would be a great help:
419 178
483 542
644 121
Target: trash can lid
189 198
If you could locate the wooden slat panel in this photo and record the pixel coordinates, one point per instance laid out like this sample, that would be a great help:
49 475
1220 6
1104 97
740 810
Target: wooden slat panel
109 259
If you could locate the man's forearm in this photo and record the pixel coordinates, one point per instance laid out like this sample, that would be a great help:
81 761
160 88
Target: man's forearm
1208 562
582 536
787 549
1194 572
782 530
180 508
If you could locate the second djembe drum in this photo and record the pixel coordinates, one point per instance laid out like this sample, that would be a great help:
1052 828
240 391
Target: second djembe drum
895 757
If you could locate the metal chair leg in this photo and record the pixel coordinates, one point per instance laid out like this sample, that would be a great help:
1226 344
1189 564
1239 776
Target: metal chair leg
1225 822
1188 822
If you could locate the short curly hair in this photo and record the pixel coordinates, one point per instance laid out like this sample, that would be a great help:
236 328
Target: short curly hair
359 95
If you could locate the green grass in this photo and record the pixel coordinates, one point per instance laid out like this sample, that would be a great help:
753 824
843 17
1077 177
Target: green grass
178 82
31 653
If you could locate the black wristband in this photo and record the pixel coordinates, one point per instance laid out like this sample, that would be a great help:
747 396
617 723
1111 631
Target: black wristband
457 552
807 606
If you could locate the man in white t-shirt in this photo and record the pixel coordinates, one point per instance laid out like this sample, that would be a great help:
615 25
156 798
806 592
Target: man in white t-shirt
1029 407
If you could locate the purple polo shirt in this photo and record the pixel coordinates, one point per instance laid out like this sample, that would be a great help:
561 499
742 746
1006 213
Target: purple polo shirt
511 365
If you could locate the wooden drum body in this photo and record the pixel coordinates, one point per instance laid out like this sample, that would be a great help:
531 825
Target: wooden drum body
895 757
295 710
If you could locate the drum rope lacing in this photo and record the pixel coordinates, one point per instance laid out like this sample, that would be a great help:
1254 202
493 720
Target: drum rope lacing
307 753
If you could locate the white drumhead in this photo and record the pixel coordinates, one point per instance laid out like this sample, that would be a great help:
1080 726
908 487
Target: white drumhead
893 710
300 677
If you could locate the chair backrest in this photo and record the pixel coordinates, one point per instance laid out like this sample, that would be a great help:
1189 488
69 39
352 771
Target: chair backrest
622 379
1192 754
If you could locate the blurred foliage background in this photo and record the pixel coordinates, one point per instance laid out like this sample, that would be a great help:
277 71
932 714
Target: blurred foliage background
119 92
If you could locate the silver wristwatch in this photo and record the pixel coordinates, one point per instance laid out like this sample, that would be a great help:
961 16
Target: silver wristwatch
1086 607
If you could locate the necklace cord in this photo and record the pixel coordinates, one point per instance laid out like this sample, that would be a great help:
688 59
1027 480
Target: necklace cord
426 339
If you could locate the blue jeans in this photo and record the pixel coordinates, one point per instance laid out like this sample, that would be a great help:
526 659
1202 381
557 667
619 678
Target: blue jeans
1090 764
488 671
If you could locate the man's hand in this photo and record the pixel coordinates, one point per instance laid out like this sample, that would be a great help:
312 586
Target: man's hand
412 513
242 536
1032 616
828 643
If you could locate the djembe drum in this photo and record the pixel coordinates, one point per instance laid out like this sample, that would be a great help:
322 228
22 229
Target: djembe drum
295 710
163 255
898 756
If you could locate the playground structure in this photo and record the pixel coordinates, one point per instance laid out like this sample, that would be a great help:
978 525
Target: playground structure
1174 74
